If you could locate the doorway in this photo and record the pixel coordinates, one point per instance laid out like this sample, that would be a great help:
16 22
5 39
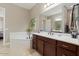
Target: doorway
2 26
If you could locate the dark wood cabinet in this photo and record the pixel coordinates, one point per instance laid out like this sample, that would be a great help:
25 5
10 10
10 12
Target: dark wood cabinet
44 46
40 46
67 46
78 51
49 50
51 47
66 49
64 52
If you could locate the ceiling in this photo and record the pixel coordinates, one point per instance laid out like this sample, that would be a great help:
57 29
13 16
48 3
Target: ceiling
25 5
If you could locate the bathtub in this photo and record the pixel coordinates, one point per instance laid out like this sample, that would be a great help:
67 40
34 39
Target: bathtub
20 40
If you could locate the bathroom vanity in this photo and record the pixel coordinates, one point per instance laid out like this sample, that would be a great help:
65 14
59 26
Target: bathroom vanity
50 45
57 19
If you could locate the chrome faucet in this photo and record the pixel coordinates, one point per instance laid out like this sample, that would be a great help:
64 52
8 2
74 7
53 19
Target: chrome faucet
50 33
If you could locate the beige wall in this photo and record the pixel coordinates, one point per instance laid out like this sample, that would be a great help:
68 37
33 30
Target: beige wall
35 12
16 18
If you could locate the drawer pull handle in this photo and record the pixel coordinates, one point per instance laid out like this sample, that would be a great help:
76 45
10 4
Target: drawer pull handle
64 46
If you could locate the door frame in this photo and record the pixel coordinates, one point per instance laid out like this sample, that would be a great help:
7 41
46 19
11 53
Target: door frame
4 29
3 16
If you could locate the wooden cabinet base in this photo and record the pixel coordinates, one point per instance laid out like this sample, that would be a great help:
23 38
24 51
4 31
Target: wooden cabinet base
50 47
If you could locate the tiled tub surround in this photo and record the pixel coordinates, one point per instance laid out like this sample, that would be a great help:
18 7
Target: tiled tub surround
58 44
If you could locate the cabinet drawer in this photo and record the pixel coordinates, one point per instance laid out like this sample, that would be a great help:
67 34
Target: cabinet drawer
63 52
66 46
40 37
52 42
48 40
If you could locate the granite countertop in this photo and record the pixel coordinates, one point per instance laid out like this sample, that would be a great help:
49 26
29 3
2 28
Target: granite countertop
61 37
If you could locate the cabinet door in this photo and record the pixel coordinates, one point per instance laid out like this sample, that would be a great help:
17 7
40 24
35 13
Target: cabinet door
49 50
63 52
40 46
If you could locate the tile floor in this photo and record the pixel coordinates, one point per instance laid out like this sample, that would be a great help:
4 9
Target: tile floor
8 50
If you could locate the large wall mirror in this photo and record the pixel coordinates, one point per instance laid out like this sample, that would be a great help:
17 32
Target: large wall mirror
57 19
54 19
57 22
75 17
